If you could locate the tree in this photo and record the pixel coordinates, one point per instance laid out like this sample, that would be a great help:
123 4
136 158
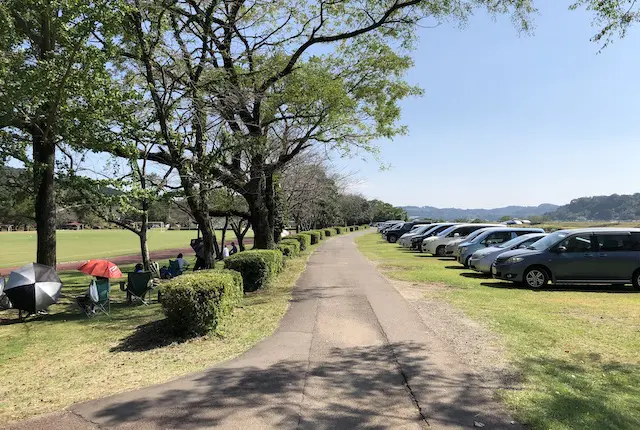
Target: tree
382 211
240 89
613 17
505 218
55 90
16 197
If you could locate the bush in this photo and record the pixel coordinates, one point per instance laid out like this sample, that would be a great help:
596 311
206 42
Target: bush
194 303
304 239
257 266
338 230
356 228
328 232
315 237
288 250
321 233
292 242
350 228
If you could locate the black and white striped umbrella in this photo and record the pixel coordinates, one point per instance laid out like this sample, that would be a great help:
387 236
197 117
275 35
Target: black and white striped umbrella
33 287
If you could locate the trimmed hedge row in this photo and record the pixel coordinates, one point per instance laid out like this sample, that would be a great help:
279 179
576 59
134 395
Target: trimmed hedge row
194 303
315 237
256 266
329 232
293 243
303 238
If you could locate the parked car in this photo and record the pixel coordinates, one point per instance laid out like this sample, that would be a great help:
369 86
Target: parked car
451 250
393 234
436 244
491 237
387 224
390 226
416 241
595 255
405 239
482 259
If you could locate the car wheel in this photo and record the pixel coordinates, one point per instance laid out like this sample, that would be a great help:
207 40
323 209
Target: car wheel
535 277
392 238
440 251
635 281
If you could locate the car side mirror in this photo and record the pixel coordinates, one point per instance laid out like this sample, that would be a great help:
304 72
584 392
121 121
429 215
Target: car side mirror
561 249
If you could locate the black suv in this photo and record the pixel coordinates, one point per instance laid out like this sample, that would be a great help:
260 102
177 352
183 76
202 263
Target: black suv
393 235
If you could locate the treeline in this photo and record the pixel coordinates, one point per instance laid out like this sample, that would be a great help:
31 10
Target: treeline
616 207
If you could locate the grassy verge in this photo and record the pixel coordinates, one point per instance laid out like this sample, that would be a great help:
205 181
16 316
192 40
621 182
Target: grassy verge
577 348
19 247
56 360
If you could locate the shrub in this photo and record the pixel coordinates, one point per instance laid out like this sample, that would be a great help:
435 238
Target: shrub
321 233
328 232
356 228
304 239
315 237
287 250
292 242
194 303
338 230
257 266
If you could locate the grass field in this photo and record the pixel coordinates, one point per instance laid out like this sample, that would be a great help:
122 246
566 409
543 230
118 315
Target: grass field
18 248
577 348
62 358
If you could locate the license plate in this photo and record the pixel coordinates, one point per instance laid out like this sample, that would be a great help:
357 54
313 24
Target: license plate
493 270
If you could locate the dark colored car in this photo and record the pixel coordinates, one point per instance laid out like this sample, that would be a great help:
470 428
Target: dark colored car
392 235
416 242
593 256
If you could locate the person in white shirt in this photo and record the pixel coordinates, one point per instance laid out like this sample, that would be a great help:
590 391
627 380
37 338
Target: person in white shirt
225 252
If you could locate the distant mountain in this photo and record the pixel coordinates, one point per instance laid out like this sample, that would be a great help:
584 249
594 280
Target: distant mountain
615 207
488 214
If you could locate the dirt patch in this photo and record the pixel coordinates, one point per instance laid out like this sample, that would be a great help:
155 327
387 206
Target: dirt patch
477 347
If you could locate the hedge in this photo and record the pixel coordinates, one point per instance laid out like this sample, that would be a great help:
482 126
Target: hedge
256 266
292 242
321 233
194 303
304 239
288 249
315 237
328 232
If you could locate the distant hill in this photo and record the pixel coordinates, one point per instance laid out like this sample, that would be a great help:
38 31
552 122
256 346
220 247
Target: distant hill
488 214
615 207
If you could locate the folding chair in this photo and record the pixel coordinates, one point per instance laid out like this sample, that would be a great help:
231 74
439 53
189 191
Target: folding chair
138 285
98 297
174 268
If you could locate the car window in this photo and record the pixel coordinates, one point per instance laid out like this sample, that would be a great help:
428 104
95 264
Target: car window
578 243
549 240
616 242
497 237
528 242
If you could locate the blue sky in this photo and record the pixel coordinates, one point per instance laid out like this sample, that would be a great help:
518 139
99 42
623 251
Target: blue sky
514 119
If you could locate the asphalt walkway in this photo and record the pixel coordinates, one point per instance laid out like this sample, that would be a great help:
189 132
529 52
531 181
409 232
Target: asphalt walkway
351 352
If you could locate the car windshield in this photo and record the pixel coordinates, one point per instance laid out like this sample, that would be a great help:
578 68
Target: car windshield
420 229
446 231
548 241
477 233
513 242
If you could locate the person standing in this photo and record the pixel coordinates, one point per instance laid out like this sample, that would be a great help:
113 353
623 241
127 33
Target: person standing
225 252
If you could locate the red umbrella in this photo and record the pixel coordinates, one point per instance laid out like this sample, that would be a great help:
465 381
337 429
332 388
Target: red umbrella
102 268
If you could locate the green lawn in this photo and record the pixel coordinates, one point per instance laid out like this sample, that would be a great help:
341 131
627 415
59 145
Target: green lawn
578 349
50 362
18 248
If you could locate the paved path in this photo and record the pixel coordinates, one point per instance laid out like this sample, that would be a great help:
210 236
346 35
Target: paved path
351 352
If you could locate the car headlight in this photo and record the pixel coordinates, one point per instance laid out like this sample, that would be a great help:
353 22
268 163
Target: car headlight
514 260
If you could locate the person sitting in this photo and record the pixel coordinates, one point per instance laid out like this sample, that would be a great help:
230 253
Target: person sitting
139 268
182 263
86 301
165 273
233 248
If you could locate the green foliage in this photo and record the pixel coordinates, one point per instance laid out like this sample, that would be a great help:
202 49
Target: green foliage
328 232
600 208
287 249
194 303
315 237
304 239
321 232
292 242
257 267
613 17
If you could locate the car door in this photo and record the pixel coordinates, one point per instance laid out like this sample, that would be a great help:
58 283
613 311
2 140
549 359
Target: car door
497 237
573 258
617 257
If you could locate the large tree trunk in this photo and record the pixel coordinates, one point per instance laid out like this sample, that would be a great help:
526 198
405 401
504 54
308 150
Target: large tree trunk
208 240
144 228
44 154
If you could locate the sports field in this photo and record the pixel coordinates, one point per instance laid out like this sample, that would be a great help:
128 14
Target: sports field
18 248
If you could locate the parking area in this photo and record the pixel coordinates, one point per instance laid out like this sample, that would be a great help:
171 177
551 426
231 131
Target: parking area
575 348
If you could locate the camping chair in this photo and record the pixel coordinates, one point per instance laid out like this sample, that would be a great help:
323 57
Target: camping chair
138 285
174 268
98 296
